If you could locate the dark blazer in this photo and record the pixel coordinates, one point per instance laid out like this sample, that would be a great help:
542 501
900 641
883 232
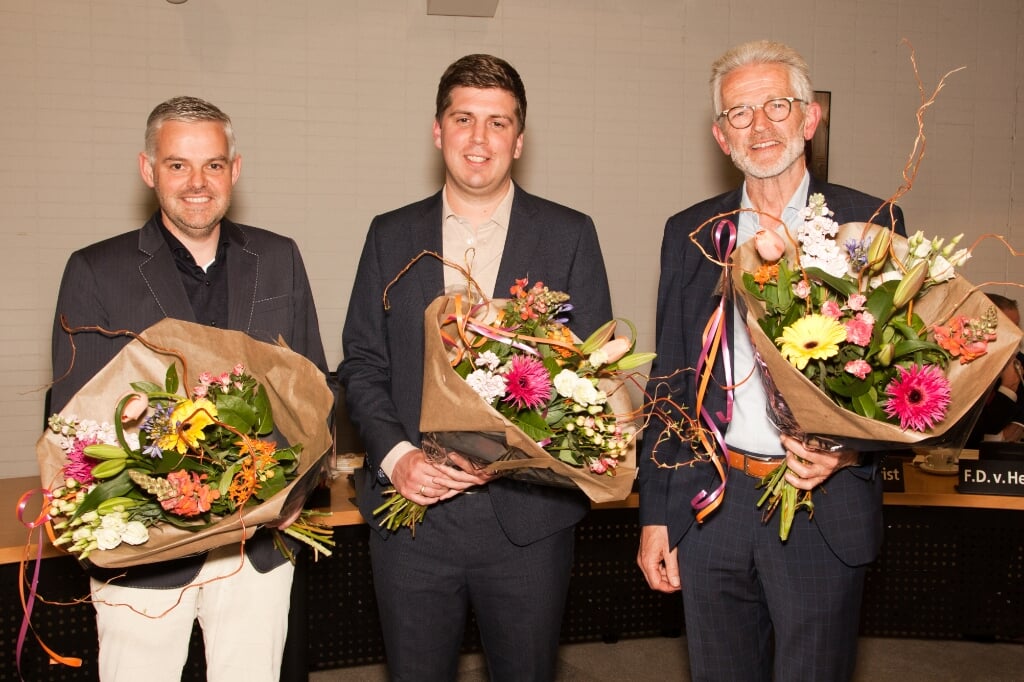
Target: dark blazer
383 367
998 412
131 281
849 510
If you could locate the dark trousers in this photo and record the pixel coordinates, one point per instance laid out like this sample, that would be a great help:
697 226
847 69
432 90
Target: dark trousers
759 609
461 559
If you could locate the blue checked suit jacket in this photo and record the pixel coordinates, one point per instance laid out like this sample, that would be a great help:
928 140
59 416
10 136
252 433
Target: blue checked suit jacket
849 512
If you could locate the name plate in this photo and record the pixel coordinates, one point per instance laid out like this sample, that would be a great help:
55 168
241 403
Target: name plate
891 471
991 476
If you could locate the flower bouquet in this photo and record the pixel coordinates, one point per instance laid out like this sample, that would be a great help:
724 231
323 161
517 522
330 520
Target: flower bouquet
507 385
176 472
865 339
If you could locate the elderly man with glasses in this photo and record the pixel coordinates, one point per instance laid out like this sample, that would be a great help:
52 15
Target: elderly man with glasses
756 608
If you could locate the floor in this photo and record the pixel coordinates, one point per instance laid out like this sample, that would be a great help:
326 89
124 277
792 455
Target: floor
639 660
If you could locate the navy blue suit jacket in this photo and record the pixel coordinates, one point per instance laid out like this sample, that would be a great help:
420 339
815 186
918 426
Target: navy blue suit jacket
131 282
383 367
849 510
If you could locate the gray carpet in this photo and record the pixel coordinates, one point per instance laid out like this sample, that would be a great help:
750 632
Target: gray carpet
655 659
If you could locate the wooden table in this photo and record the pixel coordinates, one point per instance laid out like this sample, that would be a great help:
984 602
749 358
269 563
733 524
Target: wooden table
921 490
941 549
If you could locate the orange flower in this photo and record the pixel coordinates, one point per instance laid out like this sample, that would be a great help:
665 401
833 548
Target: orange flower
255 468
766 273
564 335
964 337
193 497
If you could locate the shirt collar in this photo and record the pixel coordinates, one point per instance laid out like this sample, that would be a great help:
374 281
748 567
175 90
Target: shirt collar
791 215
181 252
502 213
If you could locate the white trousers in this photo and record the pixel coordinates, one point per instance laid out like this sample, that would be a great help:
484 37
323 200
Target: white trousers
244 618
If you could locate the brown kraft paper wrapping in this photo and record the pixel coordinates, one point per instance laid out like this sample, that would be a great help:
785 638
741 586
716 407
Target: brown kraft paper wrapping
450 405
816 414
299 397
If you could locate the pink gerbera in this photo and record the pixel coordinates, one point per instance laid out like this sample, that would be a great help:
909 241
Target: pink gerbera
528 385
79 465
919 396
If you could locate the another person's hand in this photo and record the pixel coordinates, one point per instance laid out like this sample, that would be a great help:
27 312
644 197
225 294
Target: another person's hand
423 482
659 564
1011 375
809 468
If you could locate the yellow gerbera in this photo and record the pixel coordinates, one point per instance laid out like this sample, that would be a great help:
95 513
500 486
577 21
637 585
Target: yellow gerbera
188 419
814 337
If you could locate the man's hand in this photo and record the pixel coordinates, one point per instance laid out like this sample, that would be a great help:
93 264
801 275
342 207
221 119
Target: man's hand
1011 375
423 482
810 468
658 563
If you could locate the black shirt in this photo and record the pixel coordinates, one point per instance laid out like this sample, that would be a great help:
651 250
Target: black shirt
207 290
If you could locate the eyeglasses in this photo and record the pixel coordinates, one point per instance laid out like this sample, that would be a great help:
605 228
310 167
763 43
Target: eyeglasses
777 110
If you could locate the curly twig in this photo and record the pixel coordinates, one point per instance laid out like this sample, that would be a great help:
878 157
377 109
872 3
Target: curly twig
471 283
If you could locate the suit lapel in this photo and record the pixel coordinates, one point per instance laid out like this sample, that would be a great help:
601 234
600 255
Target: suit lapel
523 239
158 270
426 230
243 273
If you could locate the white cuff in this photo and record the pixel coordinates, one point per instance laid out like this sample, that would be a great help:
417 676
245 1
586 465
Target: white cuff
1012 395
396 453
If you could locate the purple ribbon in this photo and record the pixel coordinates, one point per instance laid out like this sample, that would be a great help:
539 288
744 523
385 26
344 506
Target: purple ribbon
725 228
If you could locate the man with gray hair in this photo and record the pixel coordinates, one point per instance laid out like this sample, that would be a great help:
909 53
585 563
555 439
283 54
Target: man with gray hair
190 263
756 608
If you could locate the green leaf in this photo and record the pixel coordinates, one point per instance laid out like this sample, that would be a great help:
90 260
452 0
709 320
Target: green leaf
879 302
119 486
849 386
171 379
261 403
533 425
837 284
147 387
867 406
271 486
235 412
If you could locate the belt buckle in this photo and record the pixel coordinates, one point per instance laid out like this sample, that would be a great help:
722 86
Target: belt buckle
746 463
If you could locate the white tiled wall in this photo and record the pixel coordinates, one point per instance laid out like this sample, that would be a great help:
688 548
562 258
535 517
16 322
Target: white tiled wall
333 99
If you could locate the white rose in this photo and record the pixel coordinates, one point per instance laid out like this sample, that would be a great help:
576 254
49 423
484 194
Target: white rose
107 538
941 270
113 521
584 393
922 250
565 383
598 358
135 533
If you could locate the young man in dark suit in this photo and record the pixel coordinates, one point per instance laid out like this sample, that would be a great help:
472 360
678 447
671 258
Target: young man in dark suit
500 547
756 608
190 263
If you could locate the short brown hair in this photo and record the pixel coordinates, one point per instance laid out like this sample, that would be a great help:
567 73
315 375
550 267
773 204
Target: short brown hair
482 71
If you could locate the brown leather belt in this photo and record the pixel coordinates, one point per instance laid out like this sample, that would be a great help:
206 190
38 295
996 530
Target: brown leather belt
757 466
